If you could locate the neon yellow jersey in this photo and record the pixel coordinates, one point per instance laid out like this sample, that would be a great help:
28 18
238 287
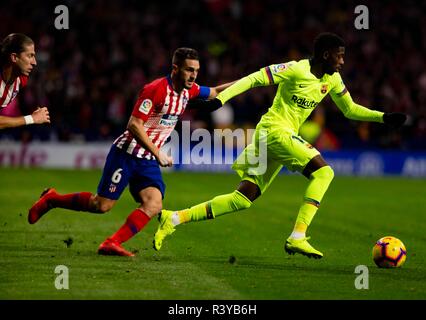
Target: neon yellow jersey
298 93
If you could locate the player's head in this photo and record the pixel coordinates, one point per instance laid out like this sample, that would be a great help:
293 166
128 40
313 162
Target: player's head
17 50
329 50
186 65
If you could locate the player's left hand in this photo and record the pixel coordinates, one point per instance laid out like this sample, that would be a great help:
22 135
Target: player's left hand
394 119
164 160
41 115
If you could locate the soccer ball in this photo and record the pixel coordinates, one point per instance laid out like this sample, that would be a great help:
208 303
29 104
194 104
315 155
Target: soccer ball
389 252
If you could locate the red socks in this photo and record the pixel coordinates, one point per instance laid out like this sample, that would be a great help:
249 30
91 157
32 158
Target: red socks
81 202
134 223
74 201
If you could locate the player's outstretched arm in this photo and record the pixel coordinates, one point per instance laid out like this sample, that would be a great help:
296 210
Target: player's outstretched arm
10 122
214 91
354 111
225 92
39 116
342 98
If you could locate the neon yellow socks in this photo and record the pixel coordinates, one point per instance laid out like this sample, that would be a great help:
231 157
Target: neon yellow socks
218 206
318 185
236 201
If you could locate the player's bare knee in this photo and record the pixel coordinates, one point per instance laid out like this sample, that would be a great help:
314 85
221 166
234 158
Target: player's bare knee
152 207
151 201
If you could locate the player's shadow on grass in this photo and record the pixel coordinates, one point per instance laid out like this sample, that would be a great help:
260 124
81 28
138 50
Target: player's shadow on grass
288 264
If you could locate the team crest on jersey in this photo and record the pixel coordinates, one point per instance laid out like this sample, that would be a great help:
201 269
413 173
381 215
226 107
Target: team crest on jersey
145 106
324 88
112 187
14 95
184 100
279 68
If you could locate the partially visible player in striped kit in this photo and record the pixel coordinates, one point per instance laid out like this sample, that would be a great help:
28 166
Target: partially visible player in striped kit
135 156
17 60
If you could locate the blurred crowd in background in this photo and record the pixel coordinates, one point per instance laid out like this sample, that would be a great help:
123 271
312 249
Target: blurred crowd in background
89 75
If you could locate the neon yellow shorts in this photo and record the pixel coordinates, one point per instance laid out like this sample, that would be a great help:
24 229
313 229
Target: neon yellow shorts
270 150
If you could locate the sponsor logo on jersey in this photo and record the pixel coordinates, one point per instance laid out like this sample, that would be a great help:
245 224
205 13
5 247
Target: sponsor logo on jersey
324 88
145 106
303 102
169 120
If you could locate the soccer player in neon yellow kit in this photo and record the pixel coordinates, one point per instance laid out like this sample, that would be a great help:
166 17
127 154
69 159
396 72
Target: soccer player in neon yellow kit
301 86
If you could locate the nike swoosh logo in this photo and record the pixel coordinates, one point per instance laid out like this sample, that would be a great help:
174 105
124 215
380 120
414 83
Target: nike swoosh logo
302 86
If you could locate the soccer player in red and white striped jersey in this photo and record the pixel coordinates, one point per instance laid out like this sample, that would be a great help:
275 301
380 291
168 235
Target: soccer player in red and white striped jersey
135 156
159 106
17 60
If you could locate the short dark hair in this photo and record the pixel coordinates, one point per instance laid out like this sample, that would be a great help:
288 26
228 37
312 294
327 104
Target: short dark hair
326 41
13 43
181 54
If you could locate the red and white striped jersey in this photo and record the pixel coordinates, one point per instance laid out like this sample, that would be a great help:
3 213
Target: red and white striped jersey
160 107
8 92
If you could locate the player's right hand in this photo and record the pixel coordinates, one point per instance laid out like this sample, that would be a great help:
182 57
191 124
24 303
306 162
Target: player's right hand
164 160
207 105
41 115
394 119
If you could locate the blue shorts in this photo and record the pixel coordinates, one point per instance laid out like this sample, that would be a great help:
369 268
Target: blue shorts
122 169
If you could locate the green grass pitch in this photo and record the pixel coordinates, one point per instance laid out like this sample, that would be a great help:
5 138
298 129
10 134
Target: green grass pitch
238 256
